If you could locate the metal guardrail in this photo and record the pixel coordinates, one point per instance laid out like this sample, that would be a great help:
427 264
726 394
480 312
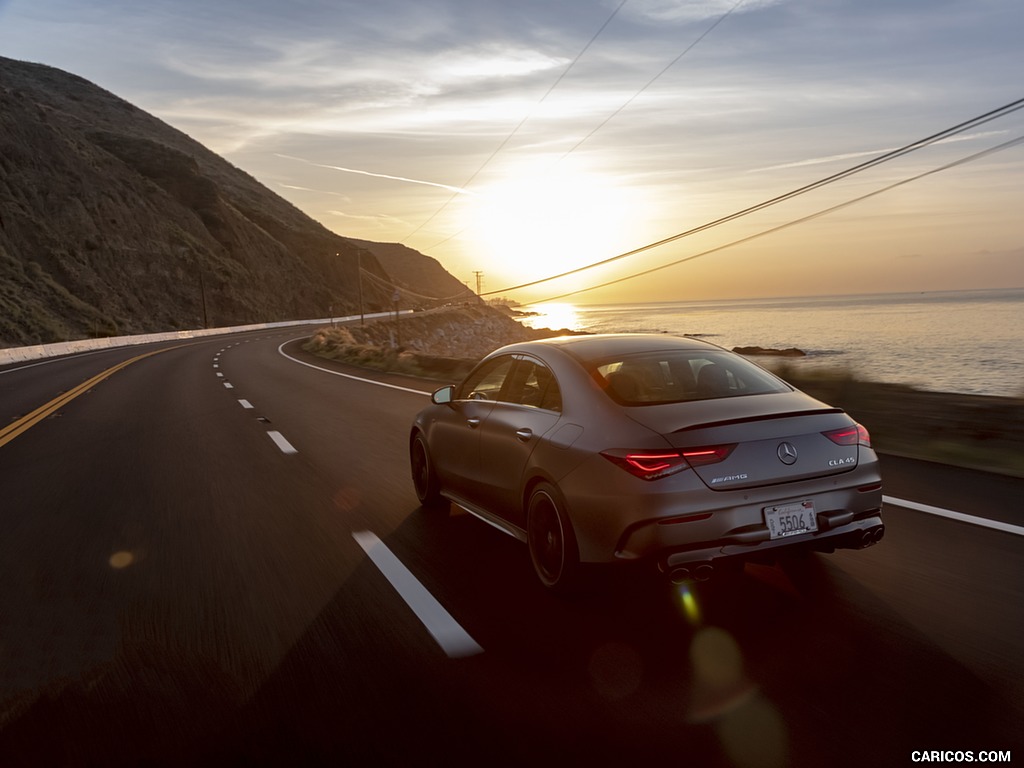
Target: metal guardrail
39 351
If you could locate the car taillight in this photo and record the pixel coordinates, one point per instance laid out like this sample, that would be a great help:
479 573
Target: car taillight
853 435
652 465
648 465
698 457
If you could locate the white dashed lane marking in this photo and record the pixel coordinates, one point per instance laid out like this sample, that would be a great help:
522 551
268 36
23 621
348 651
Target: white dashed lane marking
281 443
279 440
448 633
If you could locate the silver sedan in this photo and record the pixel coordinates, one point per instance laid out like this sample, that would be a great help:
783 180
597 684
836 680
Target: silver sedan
611 448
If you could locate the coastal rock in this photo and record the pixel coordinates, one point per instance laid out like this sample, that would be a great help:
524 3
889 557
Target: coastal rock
788 352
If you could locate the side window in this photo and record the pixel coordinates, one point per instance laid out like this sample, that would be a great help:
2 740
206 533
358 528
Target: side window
486 382
535 386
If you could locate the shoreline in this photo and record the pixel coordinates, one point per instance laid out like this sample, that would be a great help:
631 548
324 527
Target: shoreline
950 341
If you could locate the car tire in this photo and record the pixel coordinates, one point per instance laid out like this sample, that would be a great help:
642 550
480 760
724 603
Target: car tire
424 477
552 542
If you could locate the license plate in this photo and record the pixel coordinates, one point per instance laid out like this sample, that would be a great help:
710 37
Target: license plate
790 519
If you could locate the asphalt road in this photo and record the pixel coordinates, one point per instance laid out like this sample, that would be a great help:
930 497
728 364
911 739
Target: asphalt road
185 579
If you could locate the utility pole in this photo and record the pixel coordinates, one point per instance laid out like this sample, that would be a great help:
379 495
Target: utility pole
202 290
396 297
359 264
479 280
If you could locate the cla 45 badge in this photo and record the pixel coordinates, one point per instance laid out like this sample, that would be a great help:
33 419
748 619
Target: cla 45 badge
842 462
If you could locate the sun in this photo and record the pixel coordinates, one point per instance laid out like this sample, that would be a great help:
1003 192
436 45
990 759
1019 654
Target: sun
528 227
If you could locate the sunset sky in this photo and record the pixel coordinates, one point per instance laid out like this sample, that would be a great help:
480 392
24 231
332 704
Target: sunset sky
522 139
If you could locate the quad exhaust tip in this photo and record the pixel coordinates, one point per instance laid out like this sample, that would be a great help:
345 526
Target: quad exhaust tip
872 536
687 574
690 573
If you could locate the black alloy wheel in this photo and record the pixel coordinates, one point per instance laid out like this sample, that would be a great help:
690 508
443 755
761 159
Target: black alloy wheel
424 479
552 542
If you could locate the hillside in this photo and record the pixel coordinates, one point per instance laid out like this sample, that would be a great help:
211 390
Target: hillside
416 272
112 222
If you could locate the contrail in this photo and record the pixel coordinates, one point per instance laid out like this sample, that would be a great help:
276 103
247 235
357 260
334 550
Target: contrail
318 191
456 190
852 155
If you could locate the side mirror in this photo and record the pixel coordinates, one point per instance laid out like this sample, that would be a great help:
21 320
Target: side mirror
444 395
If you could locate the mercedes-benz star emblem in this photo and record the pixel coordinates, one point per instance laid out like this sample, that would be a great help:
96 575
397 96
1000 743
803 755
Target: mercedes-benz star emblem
787 453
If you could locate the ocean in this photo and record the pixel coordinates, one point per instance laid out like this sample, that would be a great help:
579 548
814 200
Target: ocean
945 341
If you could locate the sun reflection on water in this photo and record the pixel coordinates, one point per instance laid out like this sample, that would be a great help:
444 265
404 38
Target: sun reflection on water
556 316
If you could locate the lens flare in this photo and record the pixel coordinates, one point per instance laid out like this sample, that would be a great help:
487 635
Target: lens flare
719 683
716 658
754 735
688 602
121 559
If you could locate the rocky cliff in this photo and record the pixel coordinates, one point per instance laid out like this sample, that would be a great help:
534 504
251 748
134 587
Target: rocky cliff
113 222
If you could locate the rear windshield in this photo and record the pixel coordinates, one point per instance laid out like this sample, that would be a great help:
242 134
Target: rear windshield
676 376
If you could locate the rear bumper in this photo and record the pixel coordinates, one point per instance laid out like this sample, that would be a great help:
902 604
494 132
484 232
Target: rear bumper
857 534
617 518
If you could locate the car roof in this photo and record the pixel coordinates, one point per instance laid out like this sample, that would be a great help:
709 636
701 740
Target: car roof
605 345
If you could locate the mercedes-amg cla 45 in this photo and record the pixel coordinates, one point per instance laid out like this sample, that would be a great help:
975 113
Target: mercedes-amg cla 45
612 448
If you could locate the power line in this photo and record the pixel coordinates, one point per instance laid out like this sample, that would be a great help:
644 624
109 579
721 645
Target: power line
650 82
465 293
522 122
962 161
623 106
886 157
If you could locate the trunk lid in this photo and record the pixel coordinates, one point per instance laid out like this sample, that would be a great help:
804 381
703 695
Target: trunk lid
773 438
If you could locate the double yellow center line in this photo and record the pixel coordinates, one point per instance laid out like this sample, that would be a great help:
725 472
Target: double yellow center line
25 423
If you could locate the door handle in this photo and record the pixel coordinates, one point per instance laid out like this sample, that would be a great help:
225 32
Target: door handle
524 434
474 423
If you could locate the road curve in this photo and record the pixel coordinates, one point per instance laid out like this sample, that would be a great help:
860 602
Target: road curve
192 570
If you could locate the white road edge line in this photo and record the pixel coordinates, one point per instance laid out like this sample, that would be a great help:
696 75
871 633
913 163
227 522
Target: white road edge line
280 349
448 633
281 443
1017 530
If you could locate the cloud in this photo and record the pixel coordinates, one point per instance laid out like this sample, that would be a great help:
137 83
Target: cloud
691 10
401 95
